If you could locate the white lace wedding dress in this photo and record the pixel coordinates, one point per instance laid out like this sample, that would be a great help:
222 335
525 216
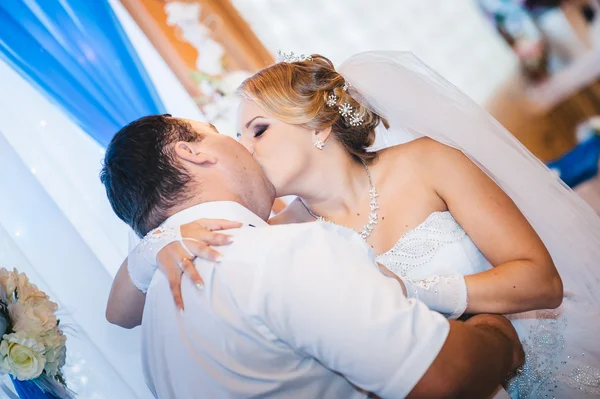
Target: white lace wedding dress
562 346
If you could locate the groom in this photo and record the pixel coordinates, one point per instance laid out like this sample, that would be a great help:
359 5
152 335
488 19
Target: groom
296 311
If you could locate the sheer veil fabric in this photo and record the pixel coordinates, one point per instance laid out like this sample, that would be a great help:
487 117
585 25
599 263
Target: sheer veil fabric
418 102
562 354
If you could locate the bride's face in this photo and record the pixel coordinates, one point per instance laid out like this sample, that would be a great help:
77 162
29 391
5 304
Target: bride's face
281 149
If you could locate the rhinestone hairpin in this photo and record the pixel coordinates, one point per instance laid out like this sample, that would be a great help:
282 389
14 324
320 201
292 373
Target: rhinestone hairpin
332 100
356 120
346 110
291 57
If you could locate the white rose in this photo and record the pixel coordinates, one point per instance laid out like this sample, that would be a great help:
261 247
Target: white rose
34 315
56 351
21 356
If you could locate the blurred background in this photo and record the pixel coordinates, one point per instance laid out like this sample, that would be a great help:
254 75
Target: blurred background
72 72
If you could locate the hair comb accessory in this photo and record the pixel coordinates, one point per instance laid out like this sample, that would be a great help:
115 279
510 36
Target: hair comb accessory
346 110
356 120
332 100
291 57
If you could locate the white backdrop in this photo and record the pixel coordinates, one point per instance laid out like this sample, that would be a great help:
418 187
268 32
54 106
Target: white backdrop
450 35
57 225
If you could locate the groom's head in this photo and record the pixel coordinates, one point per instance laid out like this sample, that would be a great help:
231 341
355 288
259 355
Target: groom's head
159 165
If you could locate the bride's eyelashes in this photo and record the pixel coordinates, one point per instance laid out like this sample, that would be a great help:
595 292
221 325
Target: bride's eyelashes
259 130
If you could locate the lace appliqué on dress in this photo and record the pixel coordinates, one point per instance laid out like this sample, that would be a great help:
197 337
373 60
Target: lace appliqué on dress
142 262
419 245
426 283
585 379
545 372
159 236
543 347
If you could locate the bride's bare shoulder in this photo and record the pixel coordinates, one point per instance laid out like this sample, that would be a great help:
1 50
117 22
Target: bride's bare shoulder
295 212
414 151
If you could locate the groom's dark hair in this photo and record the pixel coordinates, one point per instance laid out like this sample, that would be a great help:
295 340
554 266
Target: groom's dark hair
142 178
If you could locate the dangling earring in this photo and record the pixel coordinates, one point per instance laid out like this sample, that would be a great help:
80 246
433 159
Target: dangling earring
319 143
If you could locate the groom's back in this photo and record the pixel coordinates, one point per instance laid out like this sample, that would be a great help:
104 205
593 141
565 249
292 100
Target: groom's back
220 346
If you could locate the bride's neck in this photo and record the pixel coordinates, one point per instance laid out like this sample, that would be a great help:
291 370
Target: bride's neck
336 184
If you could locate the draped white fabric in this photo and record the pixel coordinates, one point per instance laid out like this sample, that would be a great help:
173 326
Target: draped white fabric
419 102
39 238
57 226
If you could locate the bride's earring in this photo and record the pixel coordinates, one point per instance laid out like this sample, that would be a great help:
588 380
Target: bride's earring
319 144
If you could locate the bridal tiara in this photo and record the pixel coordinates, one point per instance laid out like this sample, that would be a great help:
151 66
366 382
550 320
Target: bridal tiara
291 57
347 112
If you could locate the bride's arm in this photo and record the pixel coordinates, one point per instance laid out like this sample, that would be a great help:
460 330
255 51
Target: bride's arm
125 302
128 293
524 277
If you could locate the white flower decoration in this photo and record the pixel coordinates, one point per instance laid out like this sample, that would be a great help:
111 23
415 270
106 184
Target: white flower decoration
22 356
56 351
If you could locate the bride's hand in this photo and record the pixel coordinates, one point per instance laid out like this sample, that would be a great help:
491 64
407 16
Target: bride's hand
199 237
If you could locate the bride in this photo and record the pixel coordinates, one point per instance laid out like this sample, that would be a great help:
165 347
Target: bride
452 204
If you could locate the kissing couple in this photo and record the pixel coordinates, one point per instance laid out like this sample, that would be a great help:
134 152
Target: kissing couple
451 217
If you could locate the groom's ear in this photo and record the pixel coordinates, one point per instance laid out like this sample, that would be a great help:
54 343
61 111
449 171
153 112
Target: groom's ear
191 152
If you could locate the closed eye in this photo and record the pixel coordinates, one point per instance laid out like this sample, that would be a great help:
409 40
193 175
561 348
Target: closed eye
260 129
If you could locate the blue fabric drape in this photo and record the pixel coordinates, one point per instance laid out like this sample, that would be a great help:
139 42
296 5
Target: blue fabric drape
579 164
76 52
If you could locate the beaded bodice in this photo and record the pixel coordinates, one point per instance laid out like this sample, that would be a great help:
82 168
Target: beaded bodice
555 366
438 246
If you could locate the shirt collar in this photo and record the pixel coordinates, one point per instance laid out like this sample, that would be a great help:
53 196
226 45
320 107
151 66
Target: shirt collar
228 210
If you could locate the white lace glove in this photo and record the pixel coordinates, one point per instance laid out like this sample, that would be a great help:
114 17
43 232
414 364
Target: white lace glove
446 295
142 262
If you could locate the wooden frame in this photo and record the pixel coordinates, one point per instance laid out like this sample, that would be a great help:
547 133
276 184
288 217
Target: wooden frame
244 51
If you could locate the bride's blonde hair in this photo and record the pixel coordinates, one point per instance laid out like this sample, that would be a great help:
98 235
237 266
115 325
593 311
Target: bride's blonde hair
297 93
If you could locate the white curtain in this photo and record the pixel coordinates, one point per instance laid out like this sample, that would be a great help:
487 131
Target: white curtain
39 239
57 226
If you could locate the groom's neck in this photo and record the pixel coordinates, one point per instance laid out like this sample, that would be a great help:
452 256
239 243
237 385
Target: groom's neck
204 198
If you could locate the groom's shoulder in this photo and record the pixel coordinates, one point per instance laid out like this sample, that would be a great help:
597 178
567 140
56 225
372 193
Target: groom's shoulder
312 236
294 235
314 230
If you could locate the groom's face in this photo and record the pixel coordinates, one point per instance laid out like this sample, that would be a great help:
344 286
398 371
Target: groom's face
238 169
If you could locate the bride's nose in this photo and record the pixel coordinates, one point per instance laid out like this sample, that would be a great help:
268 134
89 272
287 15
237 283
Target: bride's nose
247 144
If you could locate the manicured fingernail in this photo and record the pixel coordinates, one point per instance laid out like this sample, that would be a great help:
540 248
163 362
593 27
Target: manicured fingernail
200 286
218 258
229 239
181 311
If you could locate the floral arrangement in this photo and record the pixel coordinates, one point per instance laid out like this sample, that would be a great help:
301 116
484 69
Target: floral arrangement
216 82
218 103
32 347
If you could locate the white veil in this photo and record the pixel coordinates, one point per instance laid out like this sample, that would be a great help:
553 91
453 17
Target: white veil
417 102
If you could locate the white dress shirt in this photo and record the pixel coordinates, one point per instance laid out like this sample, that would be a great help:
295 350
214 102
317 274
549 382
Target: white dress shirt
293 311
